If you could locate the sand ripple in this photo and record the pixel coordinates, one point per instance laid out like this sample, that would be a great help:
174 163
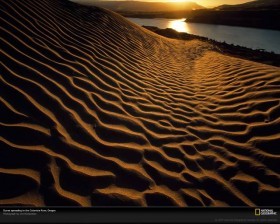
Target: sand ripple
98 111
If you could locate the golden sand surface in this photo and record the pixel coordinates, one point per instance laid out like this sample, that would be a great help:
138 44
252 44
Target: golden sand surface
96 110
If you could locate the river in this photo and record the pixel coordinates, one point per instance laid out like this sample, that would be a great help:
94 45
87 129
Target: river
268 40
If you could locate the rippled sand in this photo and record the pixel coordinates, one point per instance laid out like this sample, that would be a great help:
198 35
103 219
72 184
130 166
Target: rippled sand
98 111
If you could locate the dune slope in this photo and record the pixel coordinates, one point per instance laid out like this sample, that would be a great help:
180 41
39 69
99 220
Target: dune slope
98 111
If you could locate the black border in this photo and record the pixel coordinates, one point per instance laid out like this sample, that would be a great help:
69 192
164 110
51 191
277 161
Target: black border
141 215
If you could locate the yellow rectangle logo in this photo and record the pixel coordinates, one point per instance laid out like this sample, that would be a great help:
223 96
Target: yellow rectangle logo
257 212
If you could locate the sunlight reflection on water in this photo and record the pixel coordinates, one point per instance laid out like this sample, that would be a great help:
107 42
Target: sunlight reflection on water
243 36
179 25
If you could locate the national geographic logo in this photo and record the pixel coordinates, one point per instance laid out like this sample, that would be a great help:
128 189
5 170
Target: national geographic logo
259 212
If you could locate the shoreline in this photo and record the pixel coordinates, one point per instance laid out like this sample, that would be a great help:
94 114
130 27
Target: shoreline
259 55
213 19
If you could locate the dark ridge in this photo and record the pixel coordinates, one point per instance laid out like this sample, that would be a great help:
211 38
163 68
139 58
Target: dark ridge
264 19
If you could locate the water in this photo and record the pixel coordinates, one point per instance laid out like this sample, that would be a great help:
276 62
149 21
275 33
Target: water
268 40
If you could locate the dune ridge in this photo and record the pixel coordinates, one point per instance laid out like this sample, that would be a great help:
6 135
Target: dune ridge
97 111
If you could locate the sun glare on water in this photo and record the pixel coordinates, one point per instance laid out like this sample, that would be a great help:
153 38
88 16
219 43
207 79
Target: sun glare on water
179 25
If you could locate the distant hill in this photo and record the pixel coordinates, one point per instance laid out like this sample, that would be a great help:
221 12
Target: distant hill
263 14
252 6
138 6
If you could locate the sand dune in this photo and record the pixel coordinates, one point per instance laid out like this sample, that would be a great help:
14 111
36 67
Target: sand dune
98 111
